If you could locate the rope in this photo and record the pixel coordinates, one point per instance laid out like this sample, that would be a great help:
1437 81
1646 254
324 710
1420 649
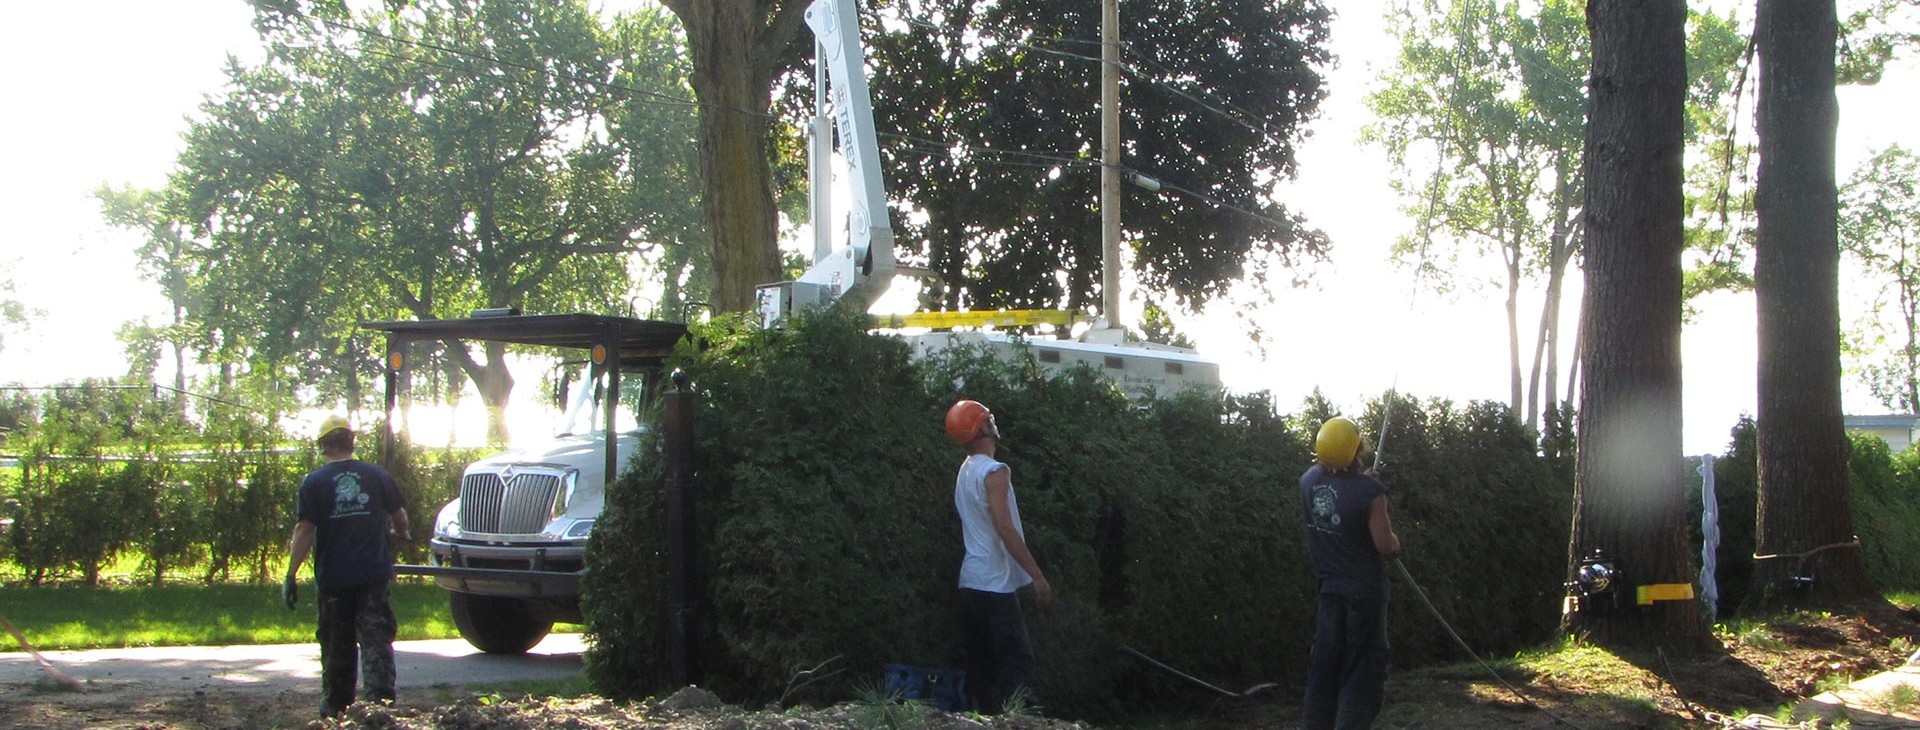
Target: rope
1855 542
1196 680
1800 567
1417 590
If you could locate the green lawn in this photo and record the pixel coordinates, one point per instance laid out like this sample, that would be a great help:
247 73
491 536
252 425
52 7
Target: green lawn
71 617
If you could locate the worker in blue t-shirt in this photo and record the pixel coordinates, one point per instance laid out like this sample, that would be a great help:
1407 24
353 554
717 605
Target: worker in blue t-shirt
347 510
1349 538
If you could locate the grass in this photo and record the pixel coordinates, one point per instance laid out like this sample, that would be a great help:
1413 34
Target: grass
1908 599
1898 699
76 617
1751 632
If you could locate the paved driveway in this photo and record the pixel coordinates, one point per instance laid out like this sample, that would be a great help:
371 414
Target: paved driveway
292 666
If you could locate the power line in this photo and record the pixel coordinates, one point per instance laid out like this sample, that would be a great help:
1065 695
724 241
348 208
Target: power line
939 147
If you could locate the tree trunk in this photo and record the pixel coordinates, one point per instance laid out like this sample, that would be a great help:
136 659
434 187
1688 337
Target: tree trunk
1803 499
492 379
1629 494
734 45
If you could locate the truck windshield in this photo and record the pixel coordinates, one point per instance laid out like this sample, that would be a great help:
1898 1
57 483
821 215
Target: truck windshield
585 402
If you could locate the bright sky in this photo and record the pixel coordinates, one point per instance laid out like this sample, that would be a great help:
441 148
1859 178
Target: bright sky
109 85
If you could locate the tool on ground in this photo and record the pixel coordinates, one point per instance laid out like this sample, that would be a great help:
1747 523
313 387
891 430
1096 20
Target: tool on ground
65 681
1418 591
1155 663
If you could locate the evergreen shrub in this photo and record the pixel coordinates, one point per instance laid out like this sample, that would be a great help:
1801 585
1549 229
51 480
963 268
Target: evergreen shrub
1171 525
1886 509
1884 494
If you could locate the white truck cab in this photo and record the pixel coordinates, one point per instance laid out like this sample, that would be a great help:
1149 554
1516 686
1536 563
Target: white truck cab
510 549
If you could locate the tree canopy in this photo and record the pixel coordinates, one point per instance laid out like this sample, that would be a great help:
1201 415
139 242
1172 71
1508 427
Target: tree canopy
1482 116
423 161
988 117
1880 229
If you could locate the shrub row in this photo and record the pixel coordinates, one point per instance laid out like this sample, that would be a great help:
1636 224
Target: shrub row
111 476
1170 525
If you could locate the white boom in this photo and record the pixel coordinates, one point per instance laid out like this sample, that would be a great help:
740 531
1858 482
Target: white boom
864 268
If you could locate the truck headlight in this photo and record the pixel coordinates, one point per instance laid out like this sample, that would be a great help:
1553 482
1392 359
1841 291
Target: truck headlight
447 522
580 529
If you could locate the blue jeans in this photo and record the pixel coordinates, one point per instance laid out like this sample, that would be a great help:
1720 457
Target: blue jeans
1347 675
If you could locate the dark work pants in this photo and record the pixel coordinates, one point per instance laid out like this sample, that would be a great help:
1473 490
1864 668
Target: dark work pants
356 633
1347 675
999 653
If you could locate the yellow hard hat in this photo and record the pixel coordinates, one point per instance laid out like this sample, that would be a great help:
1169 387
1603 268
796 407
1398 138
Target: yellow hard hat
1337 444
331 424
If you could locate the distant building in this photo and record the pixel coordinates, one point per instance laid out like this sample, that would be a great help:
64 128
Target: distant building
1896 429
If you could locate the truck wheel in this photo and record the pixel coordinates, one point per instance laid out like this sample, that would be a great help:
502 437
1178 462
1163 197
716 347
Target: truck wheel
499 625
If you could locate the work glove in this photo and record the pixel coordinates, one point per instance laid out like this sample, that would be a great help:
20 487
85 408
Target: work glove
289 592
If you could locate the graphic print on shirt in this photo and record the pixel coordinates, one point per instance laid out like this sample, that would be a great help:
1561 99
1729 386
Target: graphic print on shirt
1326 517
348 499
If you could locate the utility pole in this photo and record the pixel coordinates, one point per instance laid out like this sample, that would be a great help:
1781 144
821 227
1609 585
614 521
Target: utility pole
1110 162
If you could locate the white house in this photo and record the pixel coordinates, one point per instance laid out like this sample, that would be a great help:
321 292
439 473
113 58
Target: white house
1896 429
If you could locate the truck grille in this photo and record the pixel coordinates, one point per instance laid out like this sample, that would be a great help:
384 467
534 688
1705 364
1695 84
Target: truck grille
522 505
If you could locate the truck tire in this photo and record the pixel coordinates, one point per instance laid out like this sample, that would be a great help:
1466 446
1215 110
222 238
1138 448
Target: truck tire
498 625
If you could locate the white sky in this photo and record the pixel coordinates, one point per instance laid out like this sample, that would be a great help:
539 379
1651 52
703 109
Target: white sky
99 92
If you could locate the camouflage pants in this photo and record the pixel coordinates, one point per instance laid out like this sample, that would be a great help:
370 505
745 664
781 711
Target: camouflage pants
356 628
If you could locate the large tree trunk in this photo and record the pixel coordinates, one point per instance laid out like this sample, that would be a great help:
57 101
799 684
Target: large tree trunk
735 45
1629 495
1803 500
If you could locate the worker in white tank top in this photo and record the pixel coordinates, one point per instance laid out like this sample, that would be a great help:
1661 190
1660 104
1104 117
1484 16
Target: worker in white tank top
997 563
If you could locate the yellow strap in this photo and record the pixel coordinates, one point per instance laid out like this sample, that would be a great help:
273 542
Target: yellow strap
1646 595
1007 318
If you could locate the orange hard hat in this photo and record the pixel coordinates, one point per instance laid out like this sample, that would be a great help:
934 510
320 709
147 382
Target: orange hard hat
968 420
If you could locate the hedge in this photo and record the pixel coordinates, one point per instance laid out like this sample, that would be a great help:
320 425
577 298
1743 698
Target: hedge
112 476
1884 493
1170 525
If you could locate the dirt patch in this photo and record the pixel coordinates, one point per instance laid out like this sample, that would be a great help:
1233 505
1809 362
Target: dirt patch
1759 669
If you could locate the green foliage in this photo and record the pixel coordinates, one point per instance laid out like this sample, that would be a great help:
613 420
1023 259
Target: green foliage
1170 525
1217 97
878 710
1873 35
115 475
1880 230
1886 506
471 153
1884 494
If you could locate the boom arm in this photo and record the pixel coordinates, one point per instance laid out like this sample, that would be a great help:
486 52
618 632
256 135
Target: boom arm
864 268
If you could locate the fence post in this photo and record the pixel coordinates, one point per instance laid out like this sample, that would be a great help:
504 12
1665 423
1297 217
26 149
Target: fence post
682 543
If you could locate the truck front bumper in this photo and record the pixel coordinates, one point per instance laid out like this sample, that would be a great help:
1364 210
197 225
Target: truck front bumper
546 571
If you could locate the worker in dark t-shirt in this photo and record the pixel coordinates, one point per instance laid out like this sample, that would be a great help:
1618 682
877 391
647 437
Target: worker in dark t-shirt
347 510
1349 539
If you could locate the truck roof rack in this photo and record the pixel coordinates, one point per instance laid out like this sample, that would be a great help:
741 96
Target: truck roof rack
639 341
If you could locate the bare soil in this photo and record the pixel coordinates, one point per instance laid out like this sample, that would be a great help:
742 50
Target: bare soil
1759 671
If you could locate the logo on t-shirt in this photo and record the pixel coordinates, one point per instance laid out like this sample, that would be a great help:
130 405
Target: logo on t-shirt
1326 517
348 499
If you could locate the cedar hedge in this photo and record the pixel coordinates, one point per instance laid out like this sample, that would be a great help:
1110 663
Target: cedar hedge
1170 525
